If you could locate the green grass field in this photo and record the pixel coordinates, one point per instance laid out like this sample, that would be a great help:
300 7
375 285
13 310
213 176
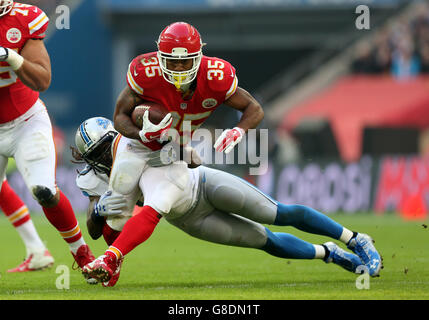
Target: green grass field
173 266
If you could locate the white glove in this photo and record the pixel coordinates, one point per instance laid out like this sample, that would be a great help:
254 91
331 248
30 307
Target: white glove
228 139
12 57
109 205
150 131
4 53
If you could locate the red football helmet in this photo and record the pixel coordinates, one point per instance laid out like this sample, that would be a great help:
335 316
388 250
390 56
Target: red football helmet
5 7
179 40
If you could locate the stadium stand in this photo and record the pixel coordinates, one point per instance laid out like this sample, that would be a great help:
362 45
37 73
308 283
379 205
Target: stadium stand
378 82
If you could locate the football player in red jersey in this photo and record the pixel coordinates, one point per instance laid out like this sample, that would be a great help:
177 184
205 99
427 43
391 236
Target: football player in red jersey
25 127
191 86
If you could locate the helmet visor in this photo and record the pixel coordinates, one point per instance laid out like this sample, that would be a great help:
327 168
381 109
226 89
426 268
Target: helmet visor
179 77
99 156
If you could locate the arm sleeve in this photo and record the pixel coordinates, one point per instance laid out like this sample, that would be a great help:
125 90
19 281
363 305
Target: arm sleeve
132 77
37 24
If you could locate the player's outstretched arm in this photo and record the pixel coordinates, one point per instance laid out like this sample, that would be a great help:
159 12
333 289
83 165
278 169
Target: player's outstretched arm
35 71
125 104
252 116
252 111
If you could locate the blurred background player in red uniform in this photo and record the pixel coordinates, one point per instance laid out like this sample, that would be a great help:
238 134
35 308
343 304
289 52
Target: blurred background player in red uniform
25 127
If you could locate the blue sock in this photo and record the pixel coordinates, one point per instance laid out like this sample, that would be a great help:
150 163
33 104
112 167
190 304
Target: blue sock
284 245
307 219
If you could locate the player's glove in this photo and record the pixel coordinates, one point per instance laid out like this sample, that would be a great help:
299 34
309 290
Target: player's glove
109 205
150 131
4 53
228 139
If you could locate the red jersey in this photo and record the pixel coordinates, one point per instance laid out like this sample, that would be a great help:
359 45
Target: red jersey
216 81
22 23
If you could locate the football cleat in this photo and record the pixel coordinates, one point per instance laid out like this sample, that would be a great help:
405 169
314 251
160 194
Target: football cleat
115 275
35 260
83 256
344 259
363 246
102 269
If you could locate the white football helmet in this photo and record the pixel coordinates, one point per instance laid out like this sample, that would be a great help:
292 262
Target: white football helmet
94 139
5 7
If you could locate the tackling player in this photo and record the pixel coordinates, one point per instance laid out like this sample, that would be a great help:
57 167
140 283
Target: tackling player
25 127
215 206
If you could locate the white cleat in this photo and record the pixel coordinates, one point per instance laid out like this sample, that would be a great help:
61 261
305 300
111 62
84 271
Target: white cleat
37 259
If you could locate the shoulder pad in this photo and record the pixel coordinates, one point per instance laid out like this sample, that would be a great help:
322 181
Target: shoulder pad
36 21
220 74
144 72
90 183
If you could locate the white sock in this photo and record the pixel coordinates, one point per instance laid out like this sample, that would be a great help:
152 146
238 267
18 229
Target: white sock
320 251
75 245
29 236
346 235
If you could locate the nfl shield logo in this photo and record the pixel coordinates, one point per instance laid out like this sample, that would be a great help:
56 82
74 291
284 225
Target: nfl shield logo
183 106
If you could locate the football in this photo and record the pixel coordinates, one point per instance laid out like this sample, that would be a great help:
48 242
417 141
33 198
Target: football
157 112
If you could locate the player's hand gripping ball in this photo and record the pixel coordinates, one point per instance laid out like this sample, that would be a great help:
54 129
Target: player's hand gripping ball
157 112
153 119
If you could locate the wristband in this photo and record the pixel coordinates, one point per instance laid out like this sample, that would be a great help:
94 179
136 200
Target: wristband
14 59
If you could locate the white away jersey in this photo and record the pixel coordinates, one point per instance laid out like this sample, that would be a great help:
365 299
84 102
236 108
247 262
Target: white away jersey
92 184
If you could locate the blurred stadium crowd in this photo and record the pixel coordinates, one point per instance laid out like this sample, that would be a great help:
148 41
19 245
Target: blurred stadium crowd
400 49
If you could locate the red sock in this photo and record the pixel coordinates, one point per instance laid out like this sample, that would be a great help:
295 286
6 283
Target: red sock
137 230
63 219
109 234
12 205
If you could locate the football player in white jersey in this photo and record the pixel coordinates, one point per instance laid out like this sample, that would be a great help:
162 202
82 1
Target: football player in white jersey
214 206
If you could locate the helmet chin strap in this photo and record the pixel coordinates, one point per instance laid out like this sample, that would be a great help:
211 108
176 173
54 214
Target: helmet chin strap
185 87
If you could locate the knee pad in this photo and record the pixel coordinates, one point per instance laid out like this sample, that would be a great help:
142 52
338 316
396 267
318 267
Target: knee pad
42 194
